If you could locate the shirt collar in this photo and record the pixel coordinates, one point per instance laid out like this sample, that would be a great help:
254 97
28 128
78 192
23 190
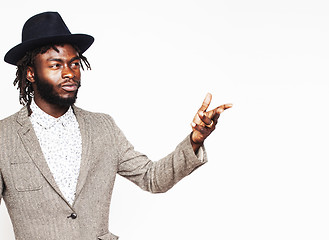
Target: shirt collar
47 121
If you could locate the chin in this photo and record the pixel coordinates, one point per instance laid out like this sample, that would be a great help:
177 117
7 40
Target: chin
60 101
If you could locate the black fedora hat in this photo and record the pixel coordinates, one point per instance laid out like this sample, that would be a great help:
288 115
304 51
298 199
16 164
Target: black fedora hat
43 29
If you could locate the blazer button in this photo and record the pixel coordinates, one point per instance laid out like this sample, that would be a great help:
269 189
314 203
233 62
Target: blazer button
74 216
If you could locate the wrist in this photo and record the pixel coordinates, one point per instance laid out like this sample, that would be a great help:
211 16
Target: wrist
195 145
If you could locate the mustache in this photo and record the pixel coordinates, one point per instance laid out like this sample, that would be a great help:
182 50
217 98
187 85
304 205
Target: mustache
70 82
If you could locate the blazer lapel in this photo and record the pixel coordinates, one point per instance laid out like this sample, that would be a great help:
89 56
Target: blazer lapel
86 142
32 146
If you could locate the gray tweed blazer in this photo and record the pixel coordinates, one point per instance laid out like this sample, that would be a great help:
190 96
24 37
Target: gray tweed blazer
36 206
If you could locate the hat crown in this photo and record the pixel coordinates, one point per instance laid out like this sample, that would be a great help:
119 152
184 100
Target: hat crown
42 25
44 29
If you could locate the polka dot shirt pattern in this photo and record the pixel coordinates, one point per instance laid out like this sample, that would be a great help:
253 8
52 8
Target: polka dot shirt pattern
61 144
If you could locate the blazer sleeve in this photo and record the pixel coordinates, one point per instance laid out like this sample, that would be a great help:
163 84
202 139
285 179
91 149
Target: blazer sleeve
1 186
156 176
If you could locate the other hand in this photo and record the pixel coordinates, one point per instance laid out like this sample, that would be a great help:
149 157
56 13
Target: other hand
204 123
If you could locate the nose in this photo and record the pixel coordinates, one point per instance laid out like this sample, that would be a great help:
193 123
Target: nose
67 72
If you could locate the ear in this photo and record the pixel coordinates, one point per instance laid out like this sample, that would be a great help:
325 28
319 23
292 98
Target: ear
30 74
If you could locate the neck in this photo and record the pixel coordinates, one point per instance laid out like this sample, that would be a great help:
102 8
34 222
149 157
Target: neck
51 109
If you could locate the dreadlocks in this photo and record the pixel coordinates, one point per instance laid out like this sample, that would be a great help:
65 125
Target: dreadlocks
24 85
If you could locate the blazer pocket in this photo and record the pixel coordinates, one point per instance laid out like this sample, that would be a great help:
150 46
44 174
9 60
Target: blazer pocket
26 177
108 236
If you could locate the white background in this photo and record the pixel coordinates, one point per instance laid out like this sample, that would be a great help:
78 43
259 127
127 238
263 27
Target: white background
152 64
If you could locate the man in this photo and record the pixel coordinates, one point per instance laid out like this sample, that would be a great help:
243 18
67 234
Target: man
58 162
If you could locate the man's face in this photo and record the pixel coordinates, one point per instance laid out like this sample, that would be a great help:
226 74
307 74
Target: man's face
57 76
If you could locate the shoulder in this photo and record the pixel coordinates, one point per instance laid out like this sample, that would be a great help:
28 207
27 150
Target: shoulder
9 126
95 118
13 119
79 112
101 125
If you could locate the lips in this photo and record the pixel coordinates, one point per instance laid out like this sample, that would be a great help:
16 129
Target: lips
70 87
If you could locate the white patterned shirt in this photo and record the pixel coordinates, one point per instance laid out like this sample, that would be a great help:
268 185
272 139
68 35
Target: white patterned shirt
60 141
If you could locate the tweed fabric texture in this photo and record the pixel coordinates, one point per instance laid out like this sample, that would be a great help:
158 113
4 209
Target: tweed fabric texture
37 208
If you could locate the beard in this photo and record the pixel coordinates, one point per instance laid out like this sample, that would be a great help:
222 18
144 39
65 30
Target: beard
47 92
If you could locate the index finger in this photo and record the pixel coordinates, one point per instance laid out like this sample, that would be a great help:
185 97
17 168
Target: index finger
217 111
206 102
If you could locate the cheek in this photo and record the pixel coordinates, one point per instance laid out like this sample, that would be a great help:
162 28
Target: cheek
77 74
48 76
54 78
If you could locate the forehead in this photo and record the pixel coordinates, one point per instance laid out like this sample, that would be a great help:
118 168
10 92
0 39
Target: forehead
64 52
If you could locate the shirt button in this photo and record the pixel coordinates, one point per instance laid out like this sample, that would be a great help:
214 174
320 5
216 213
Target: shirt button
74 216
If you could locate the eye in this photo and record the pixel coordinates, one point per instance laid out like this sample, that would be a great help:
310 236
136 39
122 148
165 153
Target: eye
76 65
55 65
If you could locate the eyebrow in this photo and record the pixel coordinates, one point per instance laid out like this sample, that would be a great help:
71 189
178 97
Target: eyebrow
61 60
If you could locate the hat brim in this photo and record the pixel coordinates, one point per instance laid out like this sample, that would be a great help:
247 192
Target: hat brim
82 41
